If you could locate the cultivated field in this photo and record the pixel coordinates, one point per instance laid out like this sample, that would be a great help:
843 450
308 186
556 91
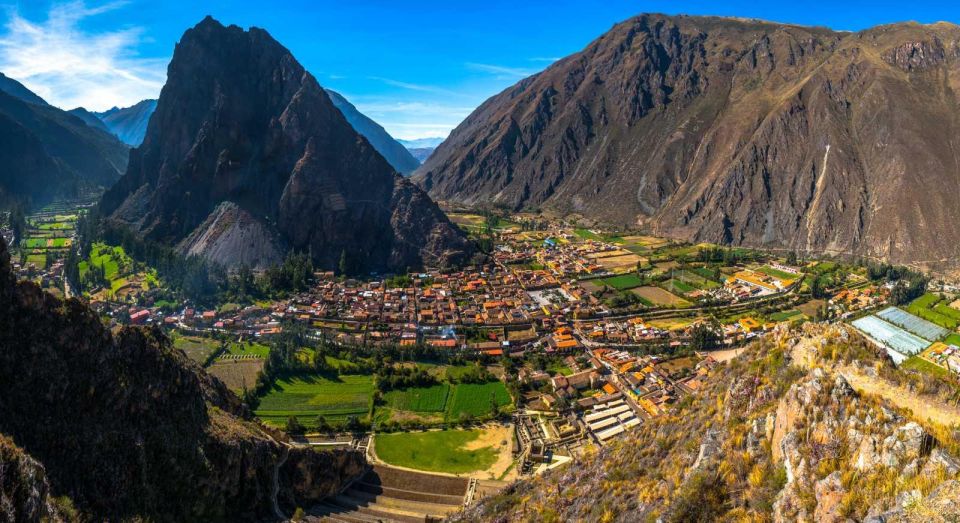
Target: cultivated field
419 399
658 296
474 399
237 374
309 396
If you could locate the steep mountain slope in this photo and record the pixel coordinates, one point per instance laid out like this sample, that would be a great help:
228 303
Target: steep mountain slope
731 131
391 150
18 90
129 123
777 435
241 123
90 119
46 152
129 428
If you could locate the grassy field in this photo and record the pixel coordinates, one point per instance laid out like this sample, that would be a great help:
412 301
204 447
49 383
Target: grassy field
474 399
587 234
248 348
921 365
678 286
309 396
447 451
953 339
929 308
622 282
419 399
792 314
777 273
197 348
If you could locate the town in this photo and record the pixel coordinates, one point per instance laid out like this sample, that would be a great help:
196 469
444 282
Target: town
562 338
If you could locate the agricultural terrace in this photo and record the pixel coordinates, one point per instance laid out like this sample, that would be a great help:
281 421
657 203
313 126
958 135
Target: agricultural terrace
937 309
111 268
308 396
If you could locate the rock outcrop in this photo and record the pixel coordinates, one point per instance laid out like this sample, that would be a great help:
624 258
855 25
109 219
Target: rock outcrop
128 427
241 122
731 131
765 440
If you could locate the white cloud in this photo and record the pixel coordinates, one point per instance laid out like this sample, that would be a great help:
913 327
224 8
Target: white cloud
500 70
69 67
412 120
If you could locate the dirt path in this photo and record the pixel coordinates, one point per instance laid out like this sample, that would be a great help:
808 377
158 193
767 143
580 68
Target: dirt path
276 481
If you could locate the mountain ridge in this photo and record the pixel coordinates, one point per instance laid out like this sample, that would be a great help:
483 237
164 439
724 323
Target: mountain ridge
392 150
129 124
711 129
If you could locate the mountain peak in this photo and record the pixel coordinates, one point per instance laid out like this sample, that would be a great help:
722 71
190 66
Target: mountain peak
240 122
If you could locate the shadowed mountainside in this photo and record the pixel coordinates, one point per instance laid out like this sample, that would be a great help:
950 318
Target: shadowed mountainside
126 426
246 157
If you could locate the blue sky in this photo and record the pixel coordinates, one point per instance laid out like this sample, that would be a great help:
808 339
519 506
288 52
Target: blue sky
418 68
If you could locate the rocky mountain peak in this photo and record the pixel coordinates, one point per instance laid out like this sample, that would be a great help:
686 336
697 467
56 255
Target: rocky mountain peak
241 121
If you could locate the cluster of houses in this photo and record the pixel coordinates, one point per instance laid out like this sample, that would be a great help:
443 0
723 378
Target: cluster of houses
750 283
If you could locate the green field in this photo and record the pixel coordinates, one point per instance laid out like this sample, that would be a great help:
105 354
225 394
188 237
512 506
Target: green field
926 301
419 399
309 396
436 451
587 234
678 286
38 260
248 348
197 348
622 282
953 339
776 273
921 365
474 399
948 311
792 314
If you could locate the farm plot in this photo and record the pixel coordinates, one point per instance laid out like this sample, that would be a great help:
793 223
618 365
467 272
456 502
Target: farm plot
622 282
622 263
196 348
777 273
474 399
660 297
419 399
309 396
237 375
678 286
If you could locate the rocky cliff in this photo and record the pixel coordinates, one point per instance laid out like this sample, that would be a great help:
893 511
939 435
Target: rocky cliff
241 122
46 153
127 427
731 131
779 434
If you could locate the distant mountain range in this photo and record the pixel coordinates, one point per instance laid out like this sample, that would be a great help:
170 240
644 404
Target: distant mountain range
130 123
247 157
421 148
731 131
47 153
395 153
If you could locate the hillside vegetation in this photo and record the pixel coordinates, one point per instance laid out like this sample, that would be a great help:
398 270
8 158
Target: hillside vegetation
779 435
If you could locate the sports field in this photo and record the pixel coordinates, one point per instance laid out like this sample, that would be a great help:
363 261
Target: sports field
450 451
309 396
